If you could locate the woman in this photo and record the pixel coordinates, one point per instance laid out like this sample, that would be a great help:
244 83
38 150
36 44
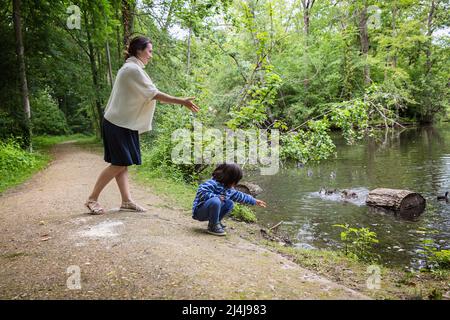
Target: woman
129 112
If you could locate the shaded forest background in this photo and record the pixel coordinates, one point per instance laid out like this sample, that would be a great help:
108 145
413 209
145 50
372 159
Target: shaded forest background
304 67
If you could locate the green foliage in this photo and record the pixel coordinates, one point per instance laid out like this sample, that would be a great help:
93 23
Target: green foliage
9 126
261 97
437 258
252 64
312 144
358 242
44 142
352 118
46 117
157 147
16 163
243 213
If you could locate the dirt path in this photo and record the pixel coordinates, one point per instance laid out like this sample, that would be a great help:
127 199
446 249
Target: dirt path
159 254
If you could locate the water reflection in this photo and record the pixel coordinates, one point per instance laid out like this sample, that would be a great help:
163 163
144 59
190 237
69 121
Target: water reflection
416 159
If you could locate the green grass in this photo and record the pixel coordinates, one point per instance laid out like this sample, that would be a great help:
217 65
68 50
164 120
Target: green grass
180 194
13 177
395 283
243 213
18 165
43 143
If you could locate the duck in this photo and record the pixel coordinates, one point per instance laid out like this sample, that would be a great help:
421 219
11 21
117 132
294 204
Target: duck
349 194
444 197
327 191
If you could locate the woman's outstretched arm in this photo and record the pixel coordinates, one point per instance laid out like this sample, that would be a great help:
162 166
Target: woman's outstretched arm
187 102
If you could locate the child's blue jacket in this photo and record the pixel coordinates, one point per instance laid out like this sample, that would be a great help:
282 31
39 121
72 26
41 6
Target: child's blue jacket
213 188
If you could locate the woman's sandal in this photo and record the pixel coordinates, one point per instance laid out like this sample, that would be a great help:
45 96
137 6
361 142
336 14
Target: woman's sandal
132 207
94 207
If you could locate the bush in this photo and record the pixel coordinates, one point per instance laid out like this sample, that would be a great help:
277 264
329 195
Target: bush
15 163
437 258
10 125
243 213
46 117
358 242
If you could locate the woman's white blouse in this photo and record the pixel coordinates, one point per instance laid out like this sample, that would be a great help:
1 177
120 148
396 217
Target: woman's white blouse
131 103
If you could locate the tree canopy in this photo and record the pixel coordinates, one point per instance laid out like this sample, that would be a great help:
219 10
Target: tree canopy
304 67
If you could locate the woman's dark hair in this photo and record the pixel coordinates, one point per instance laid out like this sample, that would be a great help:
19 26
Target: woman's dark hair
137 43
228 174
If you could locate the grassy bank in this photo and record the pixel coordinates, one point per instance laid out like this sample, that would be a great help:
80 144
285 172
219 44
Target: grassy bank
395 283
18 165
44 143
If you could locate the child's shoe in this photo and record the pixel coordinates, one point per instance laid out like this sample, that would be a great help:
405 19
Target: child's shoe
216 230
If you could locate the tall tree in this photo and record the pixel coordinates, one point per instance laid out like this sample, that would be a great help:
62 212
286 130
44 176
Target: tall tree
22 71
128 7
364 40
430 29
307 7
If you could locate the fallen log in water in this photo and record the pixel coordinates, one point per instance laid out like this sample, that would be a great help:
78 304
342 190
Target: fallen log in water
407 204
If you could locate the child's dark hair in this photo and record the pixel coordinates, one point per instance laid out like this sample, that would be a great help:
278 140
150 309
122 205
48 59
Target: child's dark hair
227 174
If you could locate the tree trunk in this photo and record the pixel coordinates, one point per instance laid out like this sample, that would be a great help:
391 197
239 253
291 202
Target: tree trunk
22 72
188 65
169 17
127 20
98 114
364 41
429 34
404 202
119 42
394 33
108 58
307 6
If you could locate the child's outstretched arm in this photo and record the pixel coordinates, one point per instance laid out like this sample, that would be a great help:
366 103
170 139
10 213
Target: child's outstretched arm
241 197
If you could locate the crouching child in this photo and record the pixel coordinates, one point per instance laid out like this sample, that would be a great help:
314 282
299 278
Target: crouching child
215 198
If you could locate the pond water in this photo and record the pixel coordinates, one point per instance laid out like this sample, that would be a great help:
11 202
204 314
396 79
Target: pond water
416 159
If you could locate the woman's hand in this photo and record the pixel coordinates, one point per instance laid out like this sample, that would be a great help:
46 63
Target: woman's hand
260 203
187 102
190 105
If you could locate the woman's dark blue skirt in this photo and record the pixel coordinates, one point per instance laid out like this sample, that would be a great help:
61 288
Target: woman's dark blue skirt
121 145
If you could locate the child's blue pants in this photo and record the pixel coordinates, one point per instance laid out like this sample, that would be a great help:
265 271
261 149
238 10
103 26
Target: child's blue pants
213 210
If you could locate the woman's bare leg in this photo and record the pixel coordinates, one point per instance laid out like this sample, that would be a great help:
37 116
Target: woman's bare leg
127 203
124 187
104 178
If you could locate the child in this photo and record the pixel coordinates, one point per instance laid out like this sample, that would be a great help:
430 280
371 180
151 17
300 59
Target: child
214 198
